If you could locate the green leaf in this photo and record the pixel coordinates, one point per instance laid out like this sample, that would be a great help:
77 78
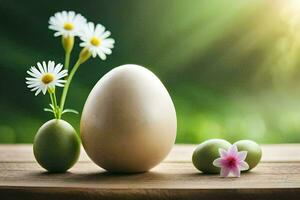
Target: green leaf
48 110
51 106
70 111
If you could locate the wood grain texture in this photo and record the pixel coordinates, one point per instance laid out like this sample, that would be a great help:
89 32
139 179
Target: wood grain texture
276 177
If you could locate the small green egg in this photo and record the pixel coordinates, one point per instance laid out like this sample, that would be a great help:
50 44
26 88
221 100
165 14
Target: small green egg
56 146
254 151
206 153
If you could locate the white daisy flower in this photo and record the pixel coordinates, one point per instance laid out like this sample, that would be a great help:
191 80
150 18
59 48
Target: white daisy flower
45 76
66 23
95 39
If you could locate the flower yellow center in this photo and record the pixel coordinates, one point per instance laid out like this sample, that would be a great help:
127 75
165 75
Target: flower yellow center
68 26
47 78
95 41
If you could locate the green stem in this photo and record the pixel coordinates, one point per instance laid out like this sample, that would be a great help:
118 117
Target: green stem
67 85
57 109
52 102
67 60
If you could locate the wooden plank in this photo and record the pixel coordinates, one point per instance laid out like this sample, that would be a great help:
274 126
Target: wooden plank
146 194
166 175
176 178
181 153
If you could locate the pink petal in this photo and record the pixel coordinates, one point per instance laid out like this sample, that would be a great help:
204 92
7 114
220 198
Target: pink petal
242 155
224 172
236 172
218 162
243 165
222 152
232 151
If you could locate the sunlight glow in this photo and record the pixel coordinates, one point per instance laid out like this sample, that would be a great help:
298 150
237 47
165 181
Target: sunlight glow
290 11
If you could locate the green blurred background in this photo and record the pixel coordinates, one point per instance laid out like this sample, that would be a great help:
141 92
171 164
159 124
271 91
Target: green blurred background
232 67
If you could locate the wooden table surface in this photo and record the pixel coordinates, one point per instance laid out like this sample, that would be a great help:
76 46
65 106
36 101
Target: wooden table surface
276 177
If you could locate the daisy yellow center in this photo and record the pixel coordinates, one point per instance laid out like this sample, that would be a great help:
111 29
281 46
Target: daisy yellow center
68 26
47 78
95 41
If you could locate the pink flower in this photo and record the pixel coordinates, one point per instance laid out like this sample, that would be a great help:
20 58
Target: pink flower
231 161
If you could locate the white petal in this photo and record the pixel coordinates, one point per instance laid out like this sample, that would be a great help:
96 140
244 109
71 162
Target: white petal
83 44
224 172
108 41
236 172
222 152
56 34
59 85
50 66
94 54
44 90
102 55
242 155
243 166
99 30
35 88
31 74
106 50
57 68
105 35
41 68
61 81
45 66
36 72
38 91
33 85
31 79
232 150
33 82
91 27
62 73
218 162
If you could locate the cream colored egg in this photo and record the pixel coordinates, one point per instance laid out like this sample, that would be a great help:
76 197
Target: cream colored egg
128 122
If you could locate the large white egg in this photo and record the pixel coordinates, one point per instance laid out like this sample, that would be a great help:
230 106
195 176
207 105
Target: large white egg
128 122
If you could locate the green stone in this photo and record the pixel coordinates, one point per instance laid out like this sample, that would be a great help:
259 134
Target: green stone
56 146
206 153
254 151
